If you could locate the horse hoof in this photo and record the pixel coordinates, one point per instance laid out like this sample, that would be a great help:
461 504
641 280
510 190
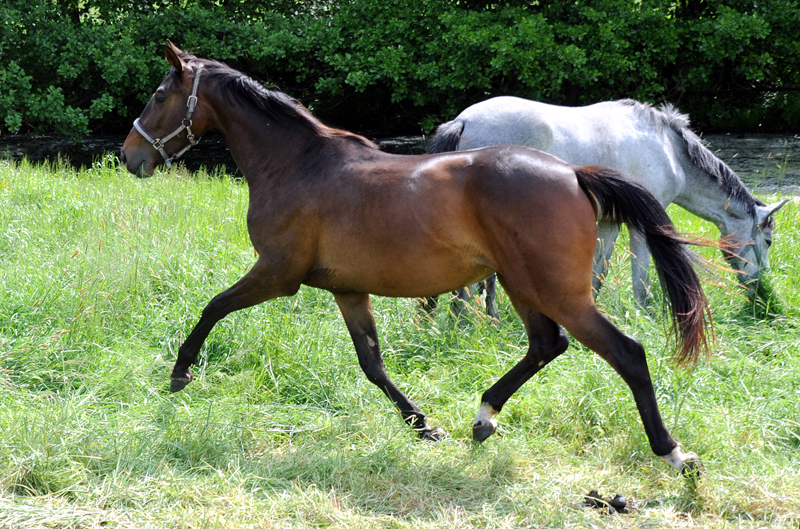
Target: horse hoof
692 468
482 431
689 464
437 434
178 383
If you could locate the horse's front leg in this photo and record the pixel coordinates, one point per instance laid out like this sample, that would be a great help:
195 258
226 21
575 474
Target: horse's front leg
257 286
357 313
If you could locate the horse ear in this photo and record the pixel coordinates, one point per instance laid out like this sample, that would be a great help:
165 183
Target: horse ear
765 212
173 55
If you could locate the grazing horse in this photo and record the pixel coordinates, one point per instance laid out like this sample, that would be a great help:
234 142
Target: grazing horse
655 148
328 209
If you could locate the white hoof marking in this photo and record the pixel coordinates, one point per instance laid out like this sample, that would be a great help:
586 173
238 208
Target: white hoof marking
486 416
677 459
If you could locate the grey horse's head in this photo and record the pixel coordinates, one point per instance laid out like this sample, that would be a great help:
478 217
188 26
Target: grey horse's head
748 253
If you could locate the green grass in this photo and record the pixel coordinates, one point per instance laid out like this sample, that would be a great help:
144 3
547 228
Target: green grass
102 275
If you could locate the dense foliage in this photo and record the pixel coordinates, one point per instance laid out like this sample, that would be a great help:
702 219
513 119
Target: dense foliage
71 66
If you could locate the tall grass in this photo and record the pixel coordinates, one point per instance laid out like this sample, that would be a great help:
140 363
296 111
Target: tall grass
102 276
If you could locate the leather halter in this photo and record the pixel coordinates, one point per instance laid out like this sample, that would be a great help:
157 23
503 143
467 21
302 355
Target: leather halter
756 249
159 143
751 245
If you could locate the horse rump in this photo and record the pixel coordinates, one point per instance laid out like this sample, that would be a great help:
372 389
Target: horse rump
446 137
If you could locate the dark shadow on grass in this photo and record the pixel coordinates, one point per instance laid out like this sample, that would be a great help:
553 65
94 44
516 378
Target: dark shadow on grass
763 303
388 478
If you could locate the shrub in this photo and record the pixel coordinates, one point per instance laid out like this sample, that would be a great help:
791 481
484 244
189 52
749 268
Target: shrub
71 66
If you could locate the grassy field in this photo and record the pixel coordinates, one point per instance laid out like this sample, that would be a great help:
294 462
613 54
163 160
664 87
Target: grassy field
102 275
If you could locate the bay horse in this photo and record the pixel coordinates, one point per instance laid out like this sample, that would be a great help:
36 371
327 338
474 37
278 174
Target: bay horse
656 148
330 210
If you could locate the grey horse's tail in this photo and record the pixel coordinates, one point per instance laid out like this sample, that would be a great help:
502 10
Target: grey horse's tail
621 200
446 137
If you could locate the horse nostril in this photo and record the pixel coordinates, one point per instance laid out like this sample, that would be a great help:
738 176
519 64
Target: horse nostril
122 156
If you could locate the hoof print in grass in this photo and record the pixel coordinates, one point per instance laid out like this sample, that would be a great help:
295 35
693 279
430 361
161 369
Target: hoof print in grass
616 504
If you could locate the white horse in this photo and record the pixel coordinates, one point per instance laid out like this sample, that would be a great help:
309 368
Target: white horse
655 148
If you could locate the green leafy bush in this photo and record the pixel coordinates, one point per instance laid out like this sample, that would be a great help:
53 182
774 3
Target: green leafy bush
71 66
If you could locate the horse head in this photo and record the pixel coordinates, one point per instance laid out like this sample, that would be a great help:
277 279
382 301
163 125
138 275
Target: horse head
173 120
750 257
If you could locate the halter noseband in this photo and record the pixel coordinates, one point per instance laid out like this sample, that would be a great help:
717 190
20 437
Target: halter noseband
159 143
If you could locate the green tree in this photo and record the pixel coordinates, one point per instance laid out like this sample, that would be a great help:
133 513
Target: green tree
71 66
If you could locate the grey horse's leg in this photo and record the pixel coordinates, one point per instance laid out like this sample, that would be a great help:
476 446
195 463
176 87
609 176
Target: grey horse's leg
640 265
464 294
430 303
491 297
460 302
606 236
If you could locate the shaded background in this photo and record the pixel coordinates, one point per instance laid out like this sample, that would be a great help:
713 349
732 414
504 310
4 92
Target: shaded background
392 67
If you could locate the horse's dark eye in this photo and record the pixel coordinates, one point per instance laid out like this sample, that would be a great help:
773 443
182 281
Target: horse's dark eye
769 242
160 98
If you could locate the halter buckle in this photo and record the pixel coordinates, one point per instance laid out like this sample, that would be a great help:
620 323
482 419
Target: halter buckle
189 135
159 144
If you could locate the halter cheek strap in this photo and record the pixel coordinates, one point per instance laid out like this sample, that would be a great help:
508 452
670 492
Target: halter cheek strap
756 249
159 143
752 245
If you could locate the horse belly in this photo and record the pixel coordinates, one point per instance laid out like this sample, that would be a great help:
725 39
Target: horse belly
398 275
402 259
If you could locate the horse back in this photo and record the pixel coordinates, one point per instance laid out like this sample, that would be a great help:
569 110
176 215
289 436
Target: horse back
611 133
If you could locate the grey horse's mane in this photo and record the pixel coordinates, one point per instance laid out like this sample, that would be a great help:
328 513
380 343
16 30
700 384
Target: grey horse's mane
724 176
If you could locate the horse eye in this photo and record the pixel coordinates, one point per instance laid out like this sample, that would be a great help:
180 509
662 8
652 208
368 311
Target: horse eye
160 98
769 242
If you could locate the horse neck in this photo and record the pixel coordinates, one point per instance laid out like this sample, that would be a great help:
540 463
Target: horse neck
703 196
262 147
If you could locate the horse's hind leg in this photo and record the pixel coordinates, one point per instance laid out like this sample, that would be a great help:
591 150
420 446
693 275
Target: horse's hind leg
546 341
606 236
626 355
357 313
640 265
463 296
430 303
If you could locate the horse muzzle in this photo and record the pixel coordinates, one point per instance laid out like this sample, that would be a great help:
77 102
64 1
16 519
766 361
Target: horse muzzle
139 159
748 272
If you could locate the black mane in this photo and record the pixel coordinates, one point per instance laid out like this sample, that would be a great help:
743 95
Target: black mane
236 86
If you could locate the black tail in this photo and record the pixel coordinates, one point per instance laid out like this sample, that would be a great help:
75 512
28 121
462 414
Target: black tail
620 200
446 137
